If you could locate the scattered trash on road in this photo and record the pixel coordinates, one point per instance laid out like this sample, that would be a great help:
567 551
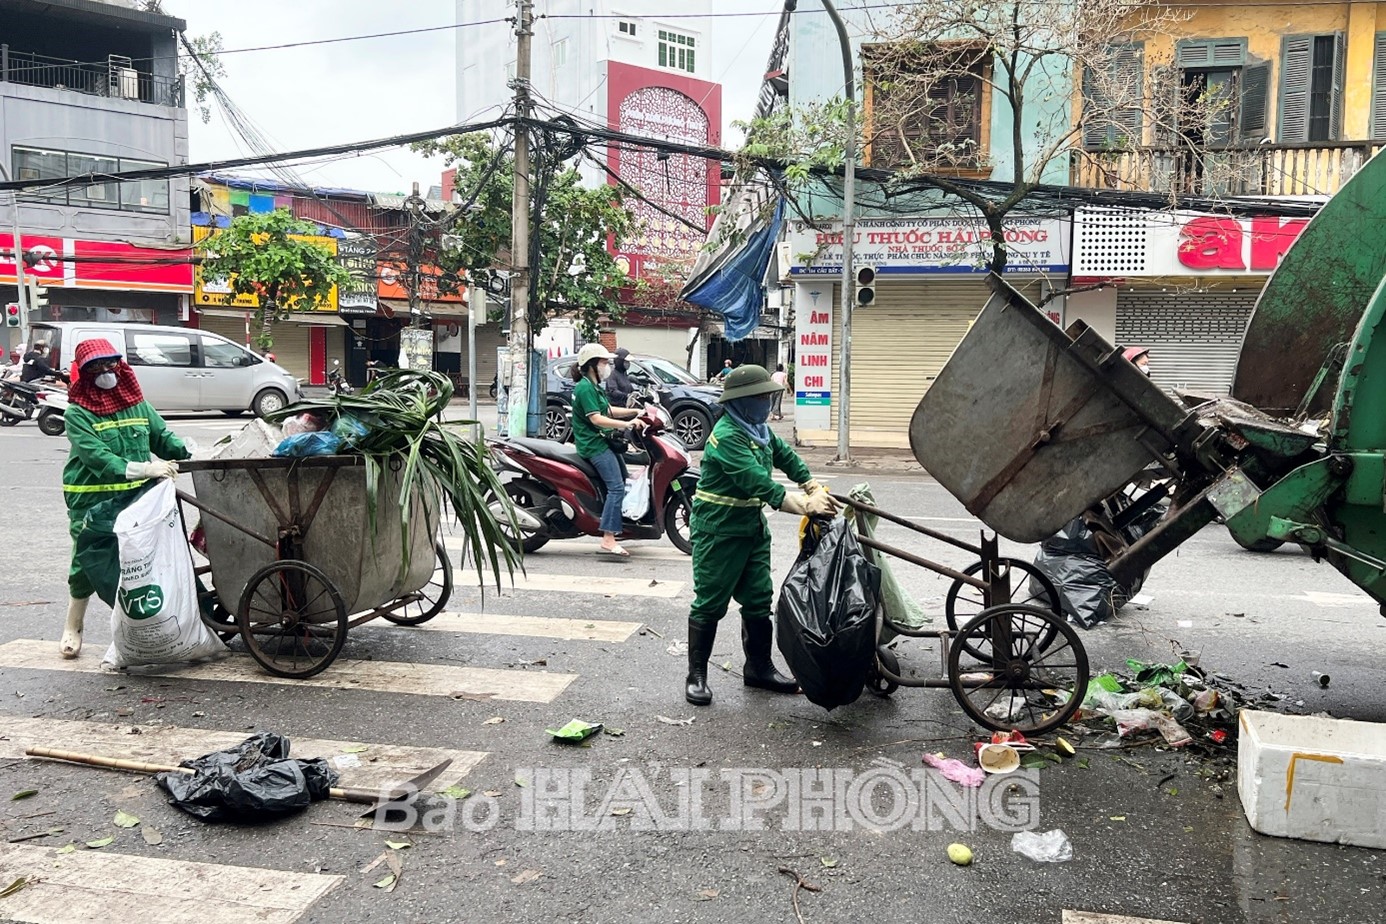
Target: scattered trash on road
576 730
1049 847
959 855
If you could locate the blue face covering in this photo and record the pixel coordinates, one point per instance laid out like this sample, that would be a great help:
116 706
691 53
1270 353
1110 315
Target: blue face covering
751 414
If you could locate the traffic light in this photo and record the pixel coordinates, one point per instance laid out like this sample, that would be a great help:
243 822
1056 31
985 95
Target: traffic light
866 285
11 315
38 297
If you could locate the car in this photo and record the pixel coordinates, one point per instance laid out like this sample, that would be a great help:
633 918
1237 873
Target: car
182 369
692 404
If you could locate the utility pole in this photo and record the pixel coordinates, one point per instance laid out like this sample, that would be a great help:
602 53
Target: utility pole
849 176
18 264
517 423
413 205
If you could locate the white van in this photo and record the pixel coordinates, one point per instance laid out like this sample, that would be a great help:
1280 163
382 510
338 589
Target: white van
180 369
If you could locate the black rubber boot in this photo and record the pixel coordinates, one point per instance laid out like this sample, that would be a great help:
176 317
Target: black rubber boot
700 640
760 670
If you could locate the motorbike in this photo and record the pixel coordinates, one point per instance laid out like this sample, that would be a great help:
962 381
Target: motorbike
18 401
557 494
52 407
336 382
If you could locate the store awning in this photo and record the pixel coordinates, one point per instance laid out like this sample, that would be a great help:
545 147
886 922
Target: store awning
439 311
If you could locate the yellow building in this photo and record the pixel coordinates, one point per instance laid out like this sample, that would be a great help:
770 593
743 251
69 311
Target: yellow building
1300 93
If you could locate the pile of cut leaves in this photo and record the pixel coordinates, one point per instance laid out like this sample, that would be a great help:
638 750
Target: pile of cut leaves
398 423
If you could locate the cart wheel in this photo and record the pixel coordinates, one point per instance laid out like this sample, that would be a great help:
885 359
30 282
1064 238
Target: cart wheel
293 619
1017 685
432 597
964 601
876 682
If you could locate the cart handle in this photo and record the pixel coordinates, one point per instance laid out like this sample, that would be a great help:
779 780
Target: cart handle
901 521
923 563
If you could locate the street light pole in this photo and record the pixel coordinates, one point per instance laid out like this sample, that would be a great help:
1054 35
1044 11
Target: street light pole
517 423
849 177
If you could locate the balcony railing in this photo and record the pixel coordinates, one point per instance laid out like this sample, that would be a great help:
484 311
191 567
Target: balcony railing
1313 169
114 79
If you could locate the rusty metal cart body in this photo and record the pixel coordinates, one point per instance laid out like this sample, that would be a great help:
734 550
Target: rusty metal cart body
1010 658
297 557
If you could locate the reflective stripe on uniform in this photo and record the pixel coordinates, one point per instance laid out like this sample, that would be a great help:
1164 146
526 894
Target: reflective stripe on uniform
724 501
99 426
97 488
712 440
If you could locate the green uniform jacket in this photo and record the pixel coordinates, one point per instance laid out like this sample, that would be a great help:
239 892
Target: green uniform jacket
735 480
587 436
101 447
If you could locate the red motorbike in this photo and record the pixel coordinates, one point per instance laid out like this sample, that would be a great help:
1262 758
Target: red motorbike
557 494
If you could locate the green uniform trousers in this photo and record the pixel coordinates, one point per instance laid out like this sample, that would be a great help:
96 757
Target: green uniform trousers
727 568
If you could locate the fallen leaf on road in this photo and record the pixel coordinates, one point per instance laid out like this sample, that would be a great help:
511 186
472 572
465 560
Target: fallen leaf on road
1118 818
456 792
614 732
124 819
387 883
13 887
398 845
101 842
68 849
23 794
494 720
356 749
620 811
707 895
520 783
828 862
668 721
590 625
493 793
528 875
151 837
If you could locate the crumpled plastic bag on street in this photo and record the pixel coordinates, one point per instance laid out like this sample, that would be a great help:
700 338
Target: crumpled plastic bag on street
1049 847
826 615
253 781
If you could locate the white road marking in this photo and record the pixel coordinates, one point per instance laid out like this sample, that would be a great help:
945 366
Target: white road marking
595 630
1089 917
344 674
360 763
1335 600
582 548
98 885
578 583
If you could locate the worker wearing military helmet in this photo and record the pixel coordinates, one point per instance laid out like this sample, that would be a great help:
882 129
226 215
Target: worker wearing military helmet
731 540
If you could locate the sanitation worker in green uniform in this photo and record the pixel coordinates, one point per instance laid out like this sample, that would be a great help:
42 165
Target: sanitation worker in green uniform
731 540
114 434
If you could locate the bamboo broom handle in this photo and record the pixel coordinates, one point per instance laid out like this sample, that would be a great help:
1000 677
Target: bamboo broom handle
139 766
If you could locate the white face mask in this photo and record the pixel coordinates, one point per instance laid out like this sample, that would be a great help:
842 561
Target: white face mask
106 380
603 371
1145 368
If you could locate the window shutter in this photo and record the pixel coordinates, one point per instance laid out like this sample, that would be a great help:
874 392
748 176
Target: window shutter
1335 130
1130 73
1379 87
1231 53
1195 54
1296 58
1094 128
1255 95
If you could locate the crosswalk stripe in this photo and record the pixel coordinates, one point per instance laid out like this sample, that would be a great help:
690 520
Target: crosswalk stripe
343 674
570 548
579 584
595 630
97 885
1090 917
364 764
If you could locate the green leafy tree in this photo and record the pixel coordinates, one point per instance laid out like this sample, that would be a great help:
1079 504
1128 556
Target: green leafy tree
575 275
266 255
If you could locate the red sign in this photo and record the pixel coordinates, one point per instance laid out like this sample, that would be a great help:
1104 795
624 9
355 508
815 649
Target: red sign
393 284
1208 243
72 263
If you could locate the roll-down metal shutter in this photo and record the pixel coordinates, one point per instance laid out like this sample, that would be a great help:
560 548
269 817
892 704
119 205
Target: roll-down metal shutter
899 346
290 340
1193 338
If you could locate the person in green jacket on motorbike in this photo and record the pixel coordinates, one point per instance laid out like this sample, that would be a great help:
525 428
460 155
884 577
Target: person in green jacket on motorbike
115 436
731 540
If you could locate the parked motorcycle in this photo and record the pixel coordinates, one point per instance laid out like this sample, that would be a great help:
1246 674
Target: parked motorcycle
52 407
557 494
18 401
336 382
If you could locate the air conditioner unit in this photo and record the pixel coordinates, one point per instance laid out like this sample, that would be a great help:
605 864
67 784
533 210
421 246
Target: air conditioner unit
124 79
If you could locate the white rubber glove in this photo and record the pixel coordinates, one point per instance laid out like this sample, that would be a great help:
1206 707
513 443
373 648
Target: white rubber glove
155 469
808 487
821 504
796 504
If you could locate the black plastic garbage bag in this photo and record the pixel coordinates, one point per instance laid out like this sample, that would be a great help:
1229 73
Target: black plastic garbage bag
826 615
253 781
1074 562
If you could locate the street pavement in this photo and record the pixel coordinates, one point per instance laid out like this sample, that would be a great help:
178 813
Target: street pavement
1156 835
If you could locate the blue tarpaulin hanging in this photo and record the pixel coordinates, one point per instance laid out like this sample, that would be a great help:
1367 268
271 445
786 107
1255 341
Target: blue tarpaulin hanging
736 289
